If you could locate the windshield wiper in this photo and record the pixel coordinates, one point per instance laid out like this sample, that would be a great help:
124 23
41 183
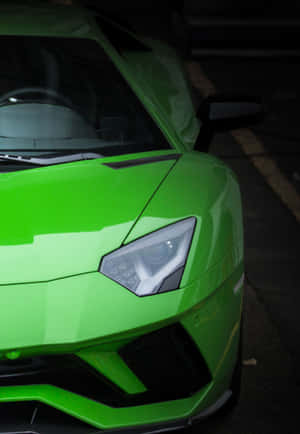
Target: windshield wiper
39 161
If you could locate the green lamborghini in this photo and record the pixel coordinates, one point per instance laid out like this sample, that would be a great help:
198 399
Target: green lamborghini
121 240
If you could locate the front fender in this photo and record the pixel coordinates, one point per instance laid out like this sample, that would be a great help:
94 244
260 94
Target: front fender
200 185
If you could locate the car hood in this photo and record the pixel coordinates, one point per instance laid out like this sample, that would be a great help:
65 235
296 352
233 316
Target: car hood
59 221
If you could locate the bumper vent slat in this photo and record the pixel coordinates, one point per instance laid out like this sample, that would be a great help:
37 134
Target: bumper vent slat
167 361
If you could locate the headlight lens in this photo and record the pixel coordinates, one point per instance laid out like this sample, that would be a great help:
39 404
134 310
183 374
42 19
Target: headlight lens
154 263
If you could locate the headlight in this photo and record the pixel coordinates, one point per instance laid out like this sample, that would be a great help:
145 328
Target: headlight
154 263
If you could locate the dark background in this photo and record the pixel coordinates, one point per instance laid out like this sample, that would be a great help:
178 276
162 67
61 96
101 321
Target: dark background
250 47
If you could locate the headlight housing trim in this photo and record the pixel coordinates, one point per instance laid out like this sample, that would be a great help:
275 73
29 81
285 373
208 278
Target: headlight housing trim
153 263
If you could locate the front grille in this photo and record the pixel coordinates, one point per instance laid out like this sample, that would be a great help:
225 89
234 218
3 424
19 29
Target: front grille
167 361
37 418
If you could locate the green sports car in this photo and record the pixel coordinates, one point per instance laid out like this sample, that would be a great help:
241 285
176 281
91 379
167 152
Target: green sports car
121 245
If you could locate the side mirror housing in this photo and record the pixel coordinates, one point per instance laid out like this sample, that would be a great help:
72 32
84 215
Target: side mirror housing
220 113
228 112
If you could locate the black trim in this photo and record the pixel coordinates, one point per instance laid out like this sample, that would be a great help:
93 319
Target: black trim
141 161
54 428
172 282
149 429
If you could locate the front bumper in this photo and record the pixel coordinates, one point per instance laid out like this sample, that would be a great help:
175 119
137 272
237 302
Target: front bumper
51 422
212 324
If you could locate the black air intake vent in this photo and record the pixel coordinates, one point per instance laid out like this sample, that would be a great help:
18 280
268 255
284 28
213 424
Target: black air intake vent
168 362
66 372
36 418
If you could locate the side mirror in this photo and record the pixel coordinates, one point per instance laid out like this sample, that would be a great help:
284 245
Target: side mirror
228 112
220 113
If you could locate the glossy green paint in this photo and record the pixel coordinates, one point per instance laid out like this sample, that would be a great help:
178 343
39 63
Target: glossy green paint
161 74
60 220
99 415
112 366
89 309
202 186
202 320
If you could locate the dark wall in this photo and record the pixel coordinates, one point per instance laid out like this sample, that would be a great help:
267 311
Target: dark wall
221 8
243 8
136 6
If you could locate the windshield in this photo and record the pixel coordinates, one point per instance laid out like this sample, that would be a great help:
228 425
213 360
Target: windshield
60 95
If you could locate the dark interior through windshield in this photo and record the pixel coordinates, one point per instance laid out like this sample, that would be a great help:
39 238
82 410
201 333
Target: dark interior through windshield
65 95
